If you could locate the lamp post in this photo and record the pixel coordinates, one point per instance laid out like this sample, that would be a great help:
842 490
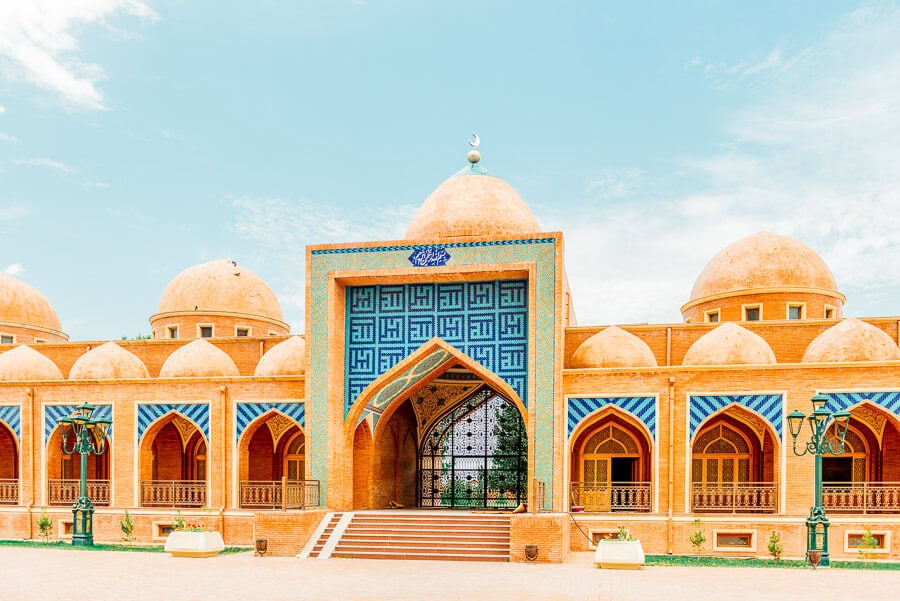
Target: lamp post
818 445
89 437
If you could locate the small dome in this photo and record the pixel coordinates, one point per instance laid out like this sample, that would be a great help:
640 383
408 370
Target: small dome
472 203
220 286
851 340
763 260
284 359
25 363
109 361
198 359
729 344
23 305
613 347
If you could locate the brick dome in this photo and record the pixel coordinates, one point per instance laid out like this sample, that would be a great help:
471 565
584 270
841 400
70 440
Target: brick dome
729 344
286 358
198 359
472 203
25 363
109 361
27 313
851 340
613 347
223 295
763 260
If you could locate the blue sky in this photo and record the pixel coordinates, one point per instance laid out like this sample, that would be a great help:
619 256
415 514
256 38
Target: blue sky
141 137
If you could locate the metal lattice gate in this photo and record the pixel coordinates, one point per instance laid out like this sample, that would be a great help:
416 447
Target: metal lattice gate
475 456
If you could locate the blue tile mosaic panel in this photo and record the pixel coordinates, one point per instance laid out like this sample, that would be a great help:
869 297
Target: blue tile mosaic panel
196 412
247 412
11 415
488 321
844 400
641 407
769 406
52 413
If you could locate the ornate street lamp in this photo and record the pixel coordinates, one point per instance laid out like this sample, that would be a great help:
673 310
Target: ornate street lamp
818 445
89 437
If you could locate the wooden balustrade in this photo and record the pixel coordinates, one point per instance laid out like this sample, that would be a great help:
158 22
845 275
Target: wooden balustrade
619 496
9 491
279 494
65 492
861 497
739 497
173 493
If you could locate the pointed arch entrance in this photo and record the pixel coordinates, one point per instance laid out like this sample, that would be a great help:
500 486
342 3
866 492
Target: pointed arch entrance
272 463
475 455
864 478
9 466
733 464
173 462
420 410
64 473
611 469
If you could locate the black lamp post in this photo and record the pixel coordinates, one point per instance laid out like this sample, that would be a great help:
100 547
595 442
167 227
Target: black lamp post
89 437
818 445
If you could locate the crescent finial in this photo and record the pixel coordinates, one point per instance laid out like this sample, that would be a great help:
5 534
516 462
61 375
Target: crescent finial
474 143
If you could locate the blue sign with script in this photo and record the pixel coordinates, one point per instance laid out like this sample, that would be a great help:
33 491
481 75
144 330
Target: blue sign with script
429 256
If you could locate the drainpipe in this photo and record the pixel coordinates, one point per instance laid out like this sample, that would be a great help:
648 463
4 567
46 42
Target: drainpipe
671 484
223 391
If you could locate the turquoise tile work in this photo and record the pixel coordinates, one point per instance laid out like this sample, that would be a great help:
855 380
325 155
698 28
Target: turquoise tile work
536 384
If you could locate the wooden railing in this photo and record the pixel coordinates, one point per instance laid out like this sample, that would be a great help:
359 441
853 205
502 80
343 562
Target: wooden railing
619 496
65 492
9 491
279 494
861 497
740 497
173 493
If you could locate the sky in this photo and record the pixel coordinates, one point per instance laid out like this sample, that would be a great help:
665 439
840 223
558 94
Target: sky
141 137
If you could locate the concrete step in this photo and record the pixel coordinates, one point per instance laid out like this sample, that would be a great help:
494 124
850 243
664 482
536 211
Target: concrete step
422 555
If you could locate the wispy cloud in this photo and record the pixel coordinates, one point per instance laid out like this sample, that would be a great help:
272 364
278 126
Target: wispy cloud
38 43
45 162
4 137
281 229
89 184
14 269
815 158
14 212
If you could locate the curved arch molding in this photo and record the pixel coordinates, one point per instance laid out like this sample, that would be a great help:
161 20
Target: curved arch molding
245 413
641 407
11 415
769 406
52 413
196 412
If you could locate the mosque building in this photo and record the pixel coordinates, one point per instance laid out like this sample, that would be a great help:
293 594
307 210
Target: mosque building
442 381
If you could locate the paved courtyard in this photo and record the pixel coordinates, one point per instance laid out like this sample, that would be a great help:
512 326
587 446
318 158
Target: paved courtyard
49 574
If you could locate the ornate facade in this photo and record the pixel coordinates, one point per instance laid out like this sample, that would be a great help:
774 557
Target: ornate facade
446 370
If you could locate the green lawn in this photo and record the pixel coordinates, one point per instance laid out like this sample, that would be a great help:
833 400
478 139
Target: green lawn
102 546
706 561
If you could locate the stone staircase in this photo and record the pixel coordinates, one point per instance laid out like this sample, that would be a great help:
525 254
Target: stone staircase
437 535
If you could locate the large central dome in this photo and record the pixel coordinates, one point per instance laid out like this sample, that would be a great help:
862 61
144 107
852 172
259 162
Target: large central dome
472 203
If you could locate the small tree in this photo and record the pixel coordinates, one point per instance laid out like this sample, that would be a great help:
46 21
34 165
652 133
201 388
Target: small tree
45 525
867 543
127 527
775 548
698 537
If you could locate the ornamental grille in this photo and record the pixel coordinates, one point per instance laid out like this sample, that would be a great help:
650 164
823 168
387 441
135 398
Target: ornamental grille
475 456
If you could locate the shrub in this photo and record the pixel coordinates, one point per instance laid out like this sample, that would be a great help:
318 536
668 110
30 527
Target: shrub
867 543
775 547
45 524
698 537
127 527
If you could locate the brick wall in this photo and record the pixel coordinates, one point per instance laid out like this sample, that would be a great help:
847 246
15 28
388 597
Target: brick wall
549 531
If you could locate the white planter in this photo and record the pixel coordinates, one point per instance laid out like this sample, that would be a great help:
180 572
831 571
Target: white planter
194 544
619 554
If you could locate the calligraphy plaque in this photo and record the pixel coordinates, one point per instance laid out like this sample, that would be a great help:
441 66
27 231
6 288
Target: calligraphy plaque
429 256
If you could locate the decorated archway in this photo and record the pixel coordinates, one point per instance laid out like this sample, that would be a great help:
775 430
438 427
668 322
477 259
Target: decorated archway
9 466
173 463
64 473
272 463
611 464
864 479
475 455
733 464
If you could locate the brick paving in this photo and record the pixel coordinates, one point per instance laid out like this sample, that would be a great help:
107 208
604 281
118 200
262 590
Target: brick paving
48 574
